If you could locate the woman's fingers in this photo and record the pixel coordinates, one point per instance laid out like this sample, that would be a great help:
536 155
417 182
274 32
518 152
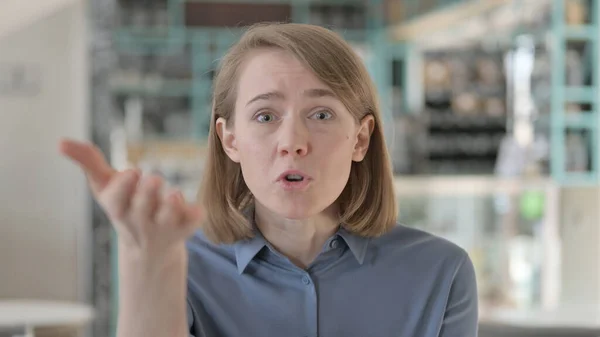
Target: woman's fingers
91 160
134 204
193 216
146 199
179 217
115 197
171 212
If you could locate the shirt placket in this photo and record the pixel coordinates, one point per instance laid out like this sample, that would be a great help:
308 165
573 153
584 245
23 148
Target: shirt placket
310 295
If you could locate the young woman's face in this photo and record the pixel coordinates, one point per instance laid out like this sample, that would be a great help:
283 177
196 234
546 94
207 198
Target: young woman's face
294 139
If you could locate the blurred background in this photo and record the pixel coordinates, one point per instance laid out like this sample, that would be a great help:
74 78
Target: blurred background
491 115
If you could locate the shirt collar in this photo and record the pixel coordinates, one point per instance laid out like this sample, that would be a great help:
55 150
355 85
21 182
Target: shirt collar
357 244
246 250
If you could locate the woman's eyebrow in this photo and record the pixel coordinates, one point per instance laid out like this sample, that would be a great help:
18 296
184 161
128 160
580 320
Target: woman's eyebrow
312 93
267 96
317 93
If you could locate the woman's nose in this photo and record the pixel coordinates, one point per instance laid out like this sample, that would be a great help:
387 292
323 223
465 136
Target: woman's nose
294 138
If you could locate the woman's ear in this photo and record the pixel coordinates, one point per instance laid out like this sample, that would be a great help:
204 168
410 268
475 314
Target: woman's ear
363 138
227 138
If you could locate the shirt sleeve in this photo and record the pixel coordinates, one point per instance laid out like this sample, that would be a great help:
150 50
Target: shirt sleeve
461 315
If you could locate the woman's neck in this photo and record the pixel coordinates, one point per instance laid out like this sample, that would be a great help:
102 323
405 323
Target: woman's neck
299 240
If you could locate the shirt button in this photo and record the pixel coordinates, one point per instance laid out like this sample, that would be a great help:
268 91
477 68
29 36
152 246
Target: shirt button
305 280
334 244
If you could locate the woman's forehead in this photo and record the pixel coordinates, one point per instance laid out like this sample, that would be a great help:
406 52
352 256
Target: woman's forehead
272 64
277 72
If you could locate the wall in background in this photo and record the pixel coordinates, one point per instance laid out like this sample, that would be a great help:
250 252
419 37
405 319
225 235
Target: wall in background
16 14
44 204
580 236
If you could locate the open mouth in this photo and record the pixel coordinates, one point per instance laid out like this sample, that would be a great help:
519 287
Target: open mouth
293 178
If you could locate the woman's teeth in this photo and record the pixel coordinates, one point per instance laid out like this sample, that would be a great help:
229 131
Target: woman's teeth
293 177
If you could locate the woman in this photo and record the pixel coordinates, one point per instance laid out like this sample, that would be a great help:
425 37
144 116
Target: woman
300 235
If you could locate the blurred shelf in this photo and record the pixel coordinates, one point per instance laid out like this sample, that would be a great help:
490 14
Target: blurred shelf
160 149
457 122
441 16
575 20
142 40
150 86
581 120
583 32
579 179
473 185
580 94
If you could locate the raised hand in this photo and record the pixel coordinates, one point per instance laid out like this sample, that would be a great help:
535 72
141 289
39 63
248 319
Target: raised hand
143 217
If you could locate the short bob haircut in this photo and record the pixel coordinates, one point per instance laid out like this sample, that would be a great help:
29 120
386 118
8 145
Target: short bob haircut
367 204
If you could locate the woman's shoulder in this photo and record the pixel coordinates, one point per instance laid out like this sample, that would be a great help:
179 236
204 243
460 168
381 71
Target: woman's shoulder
199 245
420 246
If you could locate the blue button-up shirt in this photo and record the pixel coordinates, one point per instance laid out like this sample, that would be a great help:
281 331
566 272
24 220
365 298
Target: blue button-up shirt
407 283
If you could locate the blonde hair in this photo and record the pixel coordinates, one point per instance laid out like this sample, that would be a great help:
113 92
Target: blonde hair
367 204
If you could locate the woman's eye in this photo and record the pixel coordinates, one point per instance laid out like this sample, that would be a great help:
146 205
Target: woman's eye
265 118
323 115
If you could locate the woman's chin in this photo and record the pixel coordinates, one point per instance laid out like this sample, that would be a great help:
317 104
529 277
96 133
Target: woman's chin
295 211
298 209
294 215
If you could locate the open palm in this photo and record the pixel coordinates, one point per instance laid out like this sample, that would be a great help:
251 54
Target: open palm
143 217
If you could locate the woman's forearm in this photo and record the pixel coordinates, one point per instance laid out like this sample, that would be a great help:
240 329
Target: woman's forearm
152 228
152 294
